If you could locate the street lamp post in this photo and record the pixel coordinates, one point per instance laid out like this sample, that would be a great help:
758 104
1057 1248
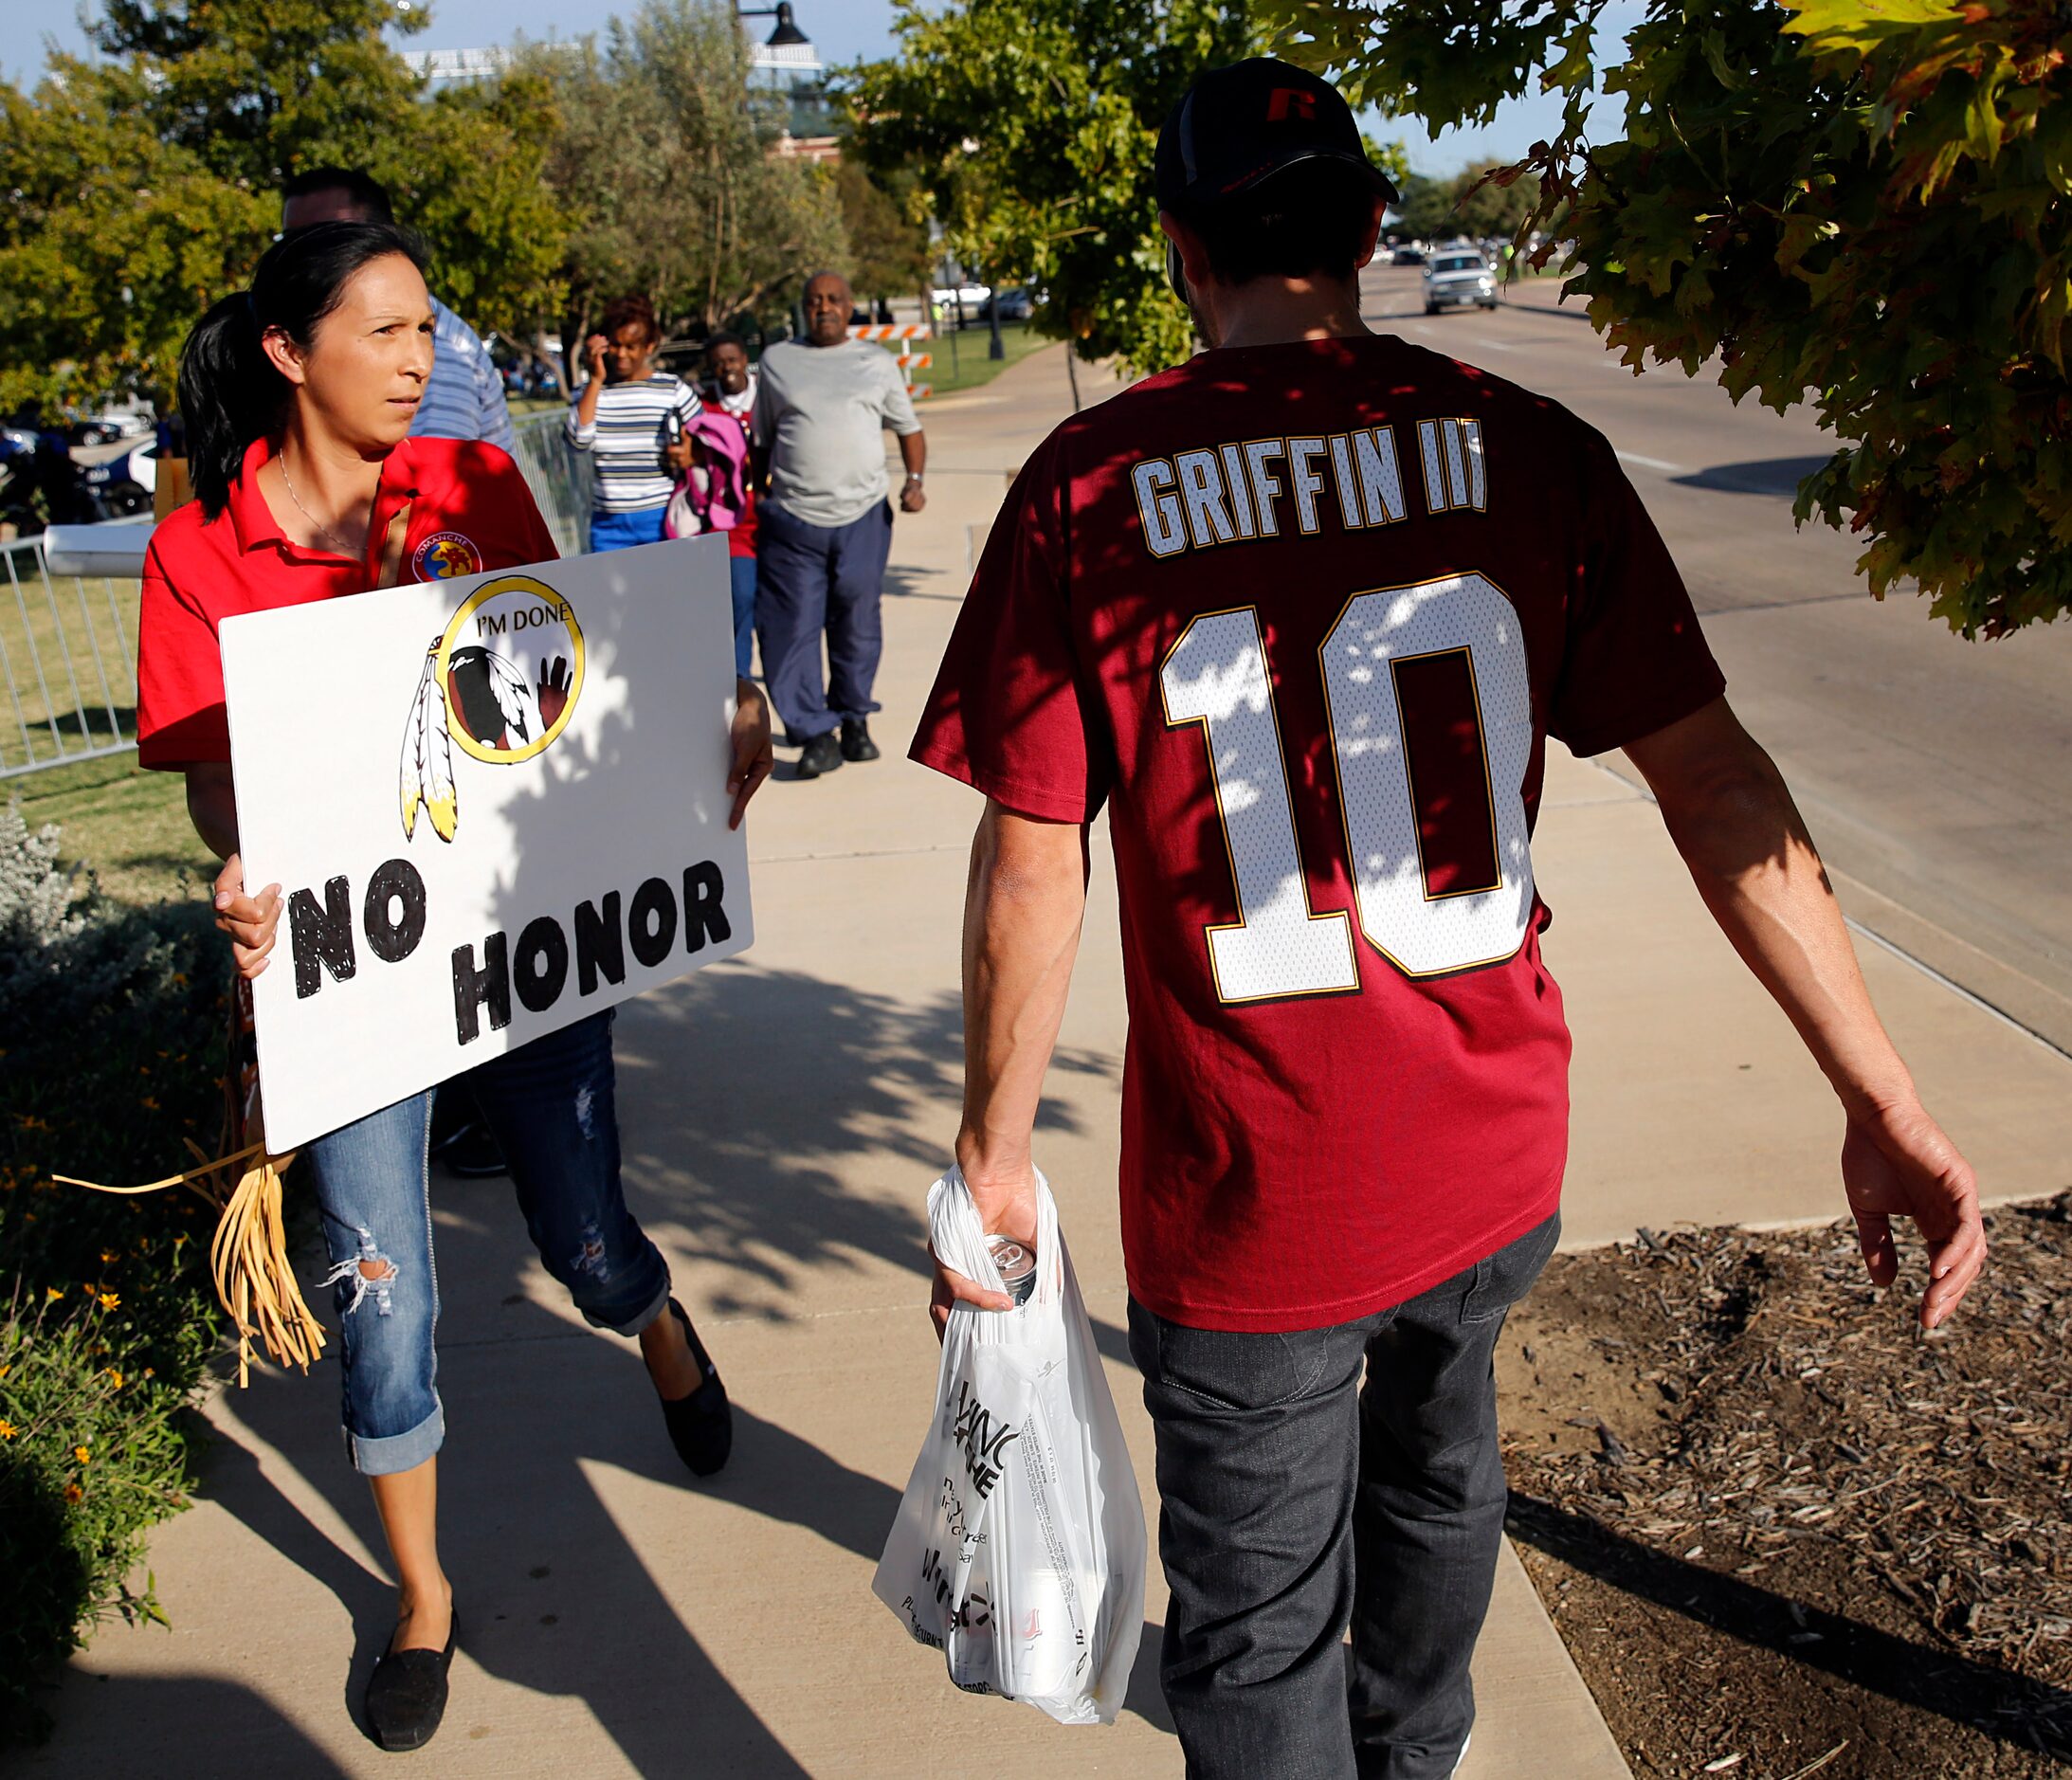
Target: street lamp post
787 35
996 347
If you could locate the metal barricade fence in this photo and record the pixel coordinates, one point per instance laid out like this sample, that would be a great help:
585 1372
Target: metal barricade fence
68 643
69 654
559 478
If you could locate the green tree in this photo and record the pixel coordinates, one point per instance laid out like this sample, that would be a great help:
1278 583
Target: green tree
1489 200
888 250
1030 127
1427 208
148 182
113 240
663 164
1865 206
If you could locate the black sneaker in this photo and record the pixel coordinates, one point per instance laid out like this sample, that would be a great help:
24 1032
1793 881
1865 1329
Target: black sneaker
822 754
856 741
473 1153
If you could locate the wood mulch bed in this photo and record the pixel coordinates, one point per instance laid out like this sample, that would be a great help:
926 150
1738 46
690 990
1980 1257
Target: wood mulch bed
1785 1533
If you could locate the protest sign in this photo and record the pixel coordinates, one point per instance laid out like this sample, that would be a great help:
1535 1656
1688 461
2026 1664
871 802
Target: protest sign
493 804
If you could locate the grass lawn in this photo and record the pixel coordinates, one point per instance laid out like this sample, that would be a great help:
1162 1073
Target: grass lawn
131 826
960 361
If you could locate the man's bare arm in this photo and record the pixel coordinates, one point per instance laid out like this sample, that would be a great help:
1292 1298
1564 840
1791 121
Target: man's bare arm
1024 904
914 454
1733 820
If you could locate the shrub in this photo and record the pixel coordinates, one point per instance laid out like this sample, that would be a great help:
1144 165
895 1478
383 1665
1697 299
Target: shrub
111 1041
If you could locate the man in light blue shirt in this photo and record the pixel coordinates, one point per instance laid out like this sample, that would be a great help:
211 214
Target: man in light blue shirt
463 396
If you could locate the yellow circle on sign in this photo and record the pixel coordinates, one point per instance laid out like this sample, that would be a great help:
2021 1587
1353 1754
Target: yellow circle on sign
517 604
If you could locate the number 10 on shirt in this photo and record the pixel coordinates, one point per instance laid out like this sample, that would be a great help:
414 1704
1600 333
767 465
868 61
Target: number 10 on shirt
1429 704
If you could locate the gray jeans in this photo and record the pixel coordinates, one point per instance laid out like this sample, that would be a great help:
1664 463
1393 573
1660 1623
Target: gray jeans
1296 1500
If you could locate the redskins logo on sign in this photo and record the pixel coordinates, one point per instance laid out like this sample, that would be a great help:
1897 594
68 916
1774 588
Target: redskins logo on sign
499 682
446 556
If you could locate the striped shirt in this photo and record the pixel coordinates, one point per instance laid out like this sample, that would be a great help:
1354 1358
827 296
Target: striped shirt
463 396
628 437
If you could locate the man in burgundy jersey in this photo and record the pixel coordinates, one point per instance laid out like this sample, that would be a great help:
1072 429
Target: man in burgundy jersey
1302 612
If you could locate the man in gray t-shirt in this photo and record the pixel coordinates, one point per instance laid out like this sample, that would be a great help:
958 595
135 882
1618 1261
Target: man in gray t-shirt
823 525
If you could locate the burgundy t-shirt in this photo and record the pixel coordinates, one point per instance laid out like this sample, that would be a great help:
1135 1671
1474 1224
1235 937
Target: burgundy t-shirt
1303 616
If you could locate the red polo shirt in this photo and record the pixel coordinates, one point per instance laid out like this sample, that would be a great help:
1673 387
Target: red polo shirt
470 510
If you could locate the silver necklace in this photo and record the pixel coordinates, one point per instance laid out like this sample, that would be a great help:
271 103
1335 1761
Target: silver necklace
338 543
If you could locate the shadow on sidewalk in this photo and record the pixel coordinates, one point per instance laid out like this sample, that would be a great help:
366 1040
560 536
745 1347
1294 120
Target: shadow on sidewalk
779 1080
776 1081
229 1728
2003 1705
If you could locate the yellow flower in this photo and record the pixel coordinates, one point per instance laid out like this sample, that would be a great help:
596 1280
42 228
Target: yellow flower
74 1493
6 1430
83 1454
149 1372
108 1257
4 1371
109 1300
54 1291
115 1378
150 1104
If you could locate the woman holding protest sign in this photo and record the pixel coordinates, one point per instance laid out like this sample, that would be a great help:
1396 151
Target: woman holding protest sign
298 397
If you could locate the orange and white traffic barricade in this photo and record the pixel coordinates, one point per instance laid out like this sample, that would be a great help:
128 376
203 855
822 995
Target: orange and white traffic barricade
893 335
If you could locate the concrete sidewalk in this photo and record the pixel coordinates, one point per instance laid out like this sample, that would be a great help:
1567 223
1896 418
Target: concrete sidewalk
781 1116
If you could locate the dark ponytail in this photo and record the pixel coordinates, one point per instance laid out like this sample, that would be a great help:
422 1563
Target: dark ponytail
230 391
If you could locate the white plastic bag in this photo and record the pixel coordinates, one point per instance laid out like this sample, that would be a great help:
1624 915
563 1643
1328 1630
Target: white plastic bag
1019 1547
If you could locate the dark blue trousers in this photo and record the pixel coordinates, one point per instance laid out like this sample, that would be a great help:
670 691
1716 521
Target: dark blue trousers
816 579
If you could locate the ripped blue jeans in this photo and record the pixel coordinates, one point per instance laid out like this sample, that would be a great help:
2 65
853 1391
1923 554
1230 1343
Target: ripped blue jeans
551 1106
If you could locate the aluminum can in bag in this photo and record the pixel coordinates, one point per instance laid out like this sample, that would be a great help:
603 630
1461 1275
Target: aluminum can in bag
1017 1264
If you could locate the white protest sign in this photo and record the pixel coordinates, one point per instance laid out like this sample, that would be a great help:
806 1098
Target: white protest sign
493 804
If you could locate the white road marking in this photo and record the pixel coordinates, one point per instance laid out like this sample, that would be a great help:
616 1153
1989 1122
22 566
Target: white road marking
1650 463
1492 346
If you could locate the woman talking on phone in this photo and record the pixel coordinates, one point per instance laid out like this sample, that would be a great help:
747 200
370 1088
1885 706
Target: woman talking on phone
298 397
633 420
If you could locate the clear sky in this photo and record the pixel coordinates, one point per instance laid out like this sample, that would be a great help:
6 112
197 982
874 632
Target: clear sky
843 30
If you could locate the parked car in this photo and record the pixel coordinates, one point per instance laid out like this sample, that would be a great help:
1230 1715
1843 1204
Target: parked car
1015 304
1409 253
1457 277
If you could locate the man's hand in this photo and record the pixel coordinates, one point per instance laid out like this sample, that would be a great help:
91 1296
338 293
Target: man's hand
1895 1162
251 922
913 497
1735 823
1007 1206
753 758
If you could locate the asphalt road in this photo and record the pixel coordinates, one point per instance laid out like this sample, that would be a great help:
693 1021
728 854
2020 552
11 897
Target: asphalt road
1935 774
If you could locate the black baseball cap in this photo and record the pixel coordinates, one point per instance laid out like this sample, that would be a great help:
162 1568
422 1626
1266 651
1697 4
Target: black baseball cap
1240 126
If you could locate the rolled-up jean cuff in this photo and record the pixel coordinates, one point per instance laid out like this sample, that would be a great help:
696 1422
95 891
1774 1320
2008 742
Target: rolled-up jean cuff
633 1325
392 1453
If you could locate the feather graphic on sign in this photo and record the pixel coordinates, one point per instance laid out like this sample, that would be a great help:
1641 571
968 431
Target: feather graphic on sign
427 758
514 698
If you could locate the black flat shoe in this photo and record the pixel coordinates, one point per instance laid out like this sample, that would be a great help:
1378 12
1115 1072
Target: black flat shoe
407 1694
822 754
856 741
702 1424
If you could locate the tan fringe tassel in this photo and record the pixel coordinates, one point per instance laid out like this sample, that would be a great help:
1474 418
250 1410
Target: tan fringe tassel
248 1256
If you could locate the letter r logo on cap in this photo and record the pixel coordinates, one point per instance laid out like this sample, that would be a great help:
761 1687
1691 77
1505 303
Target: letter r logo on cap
1291 101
